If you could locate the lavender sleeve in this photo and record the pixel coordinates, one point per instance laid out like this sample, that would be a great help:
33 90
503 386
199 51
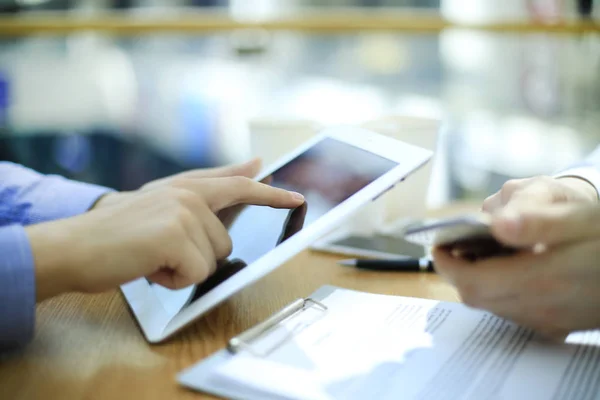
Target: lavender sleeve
17 288
27 197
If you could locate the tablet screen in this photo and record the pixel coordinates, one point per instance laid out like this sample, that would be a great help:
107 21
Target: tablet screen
326 174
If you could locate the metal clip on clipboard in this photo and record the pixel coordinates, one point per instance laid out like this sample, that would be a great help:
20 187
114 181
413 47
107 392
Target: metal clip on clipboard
243 340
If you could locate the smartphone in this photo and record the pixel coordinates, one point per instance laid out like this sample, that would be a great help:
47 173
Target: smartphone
470 235
373 246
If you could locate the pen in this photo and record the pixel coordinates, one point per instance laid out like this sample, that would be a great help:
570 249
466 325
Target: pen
406 264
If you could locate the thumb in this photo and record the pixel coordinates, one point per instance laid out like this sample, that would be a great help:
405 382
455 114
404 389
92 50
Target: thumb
248 169
548 225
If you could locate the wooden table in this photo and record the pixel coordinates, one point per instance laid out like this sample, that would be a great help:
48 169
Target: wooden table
89 346
335 21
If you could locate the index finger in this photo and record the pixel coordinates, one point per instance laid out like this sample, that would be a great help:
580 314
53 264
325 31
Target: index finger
520 193
533 195
248 169
227 192
549 225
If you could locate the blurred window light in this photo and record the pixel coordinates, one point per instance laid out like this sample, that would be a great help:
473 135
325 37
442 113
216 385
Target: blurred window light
331 102
384 54
92 84
533 147
515 146
481 11
257 9
467 51
30 3
227 95
419 106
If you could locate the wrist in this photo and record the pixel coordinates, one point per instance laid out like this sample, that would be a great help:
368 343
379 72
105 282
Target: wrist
53 251
106 200
582 186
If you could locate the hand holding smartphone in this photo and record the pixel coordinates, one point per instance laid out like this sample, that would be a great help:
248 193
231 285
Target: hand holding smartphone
468 235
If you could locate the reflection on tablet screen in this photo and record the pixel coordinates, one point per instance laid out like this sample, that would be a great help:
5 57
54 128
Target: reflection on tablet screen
228 268
326 174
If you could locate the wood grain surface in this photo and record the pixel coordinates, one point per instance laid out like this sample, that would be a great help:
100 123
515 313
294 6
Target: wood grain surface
89 346
314 21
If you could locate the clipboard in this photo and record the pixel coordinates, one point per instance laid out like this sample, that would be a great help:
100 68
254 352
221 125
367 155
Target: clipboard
198 376
416 349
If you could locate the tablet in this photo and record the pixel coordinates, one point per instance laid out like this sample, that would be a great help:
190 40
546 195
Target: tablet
338 171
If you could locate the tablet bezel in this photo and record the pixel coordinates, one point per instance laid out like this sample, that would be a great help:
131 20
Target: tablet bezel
158 324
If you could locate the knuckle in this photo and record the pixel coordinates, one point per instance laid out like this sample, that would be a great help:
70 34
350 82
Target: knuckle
184 216
211 268
241 181
173 229
511 185
509 188
202 271
177 220
177 182
184 196
172 221
489 202
542 185
544 179
175 194
225 248
171 192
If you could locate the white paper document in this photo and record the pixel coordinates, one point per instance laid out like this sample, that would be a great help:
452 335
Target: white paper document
368 346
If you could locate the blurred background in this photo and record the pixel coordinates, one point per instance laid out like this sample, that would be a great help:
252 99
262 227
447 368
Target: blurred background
119 92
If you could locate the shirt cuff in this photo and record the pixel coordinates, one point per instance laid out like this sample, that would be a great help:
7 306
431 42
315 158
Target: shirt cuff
59 198
588 174
17 288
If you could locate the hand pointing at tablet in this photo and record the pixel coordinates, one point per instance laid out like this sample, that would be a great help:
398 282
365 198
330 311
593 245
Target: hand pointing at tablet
168 231
55 235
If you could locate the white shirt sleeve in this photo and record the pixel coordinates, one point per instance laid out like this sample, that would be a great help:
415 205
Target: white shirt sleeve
588 170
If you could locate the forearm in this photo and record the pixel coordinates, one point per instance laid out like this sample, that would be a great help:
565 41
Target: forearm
54 249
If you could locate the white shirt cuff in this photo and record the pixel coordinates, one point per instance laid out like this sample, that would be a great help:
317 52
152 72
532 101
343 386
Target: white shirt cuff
589 174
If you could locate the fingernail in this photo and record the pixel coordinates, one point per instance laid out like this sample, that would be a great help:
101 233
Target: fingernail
456 253
249 162
297 196
510 221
